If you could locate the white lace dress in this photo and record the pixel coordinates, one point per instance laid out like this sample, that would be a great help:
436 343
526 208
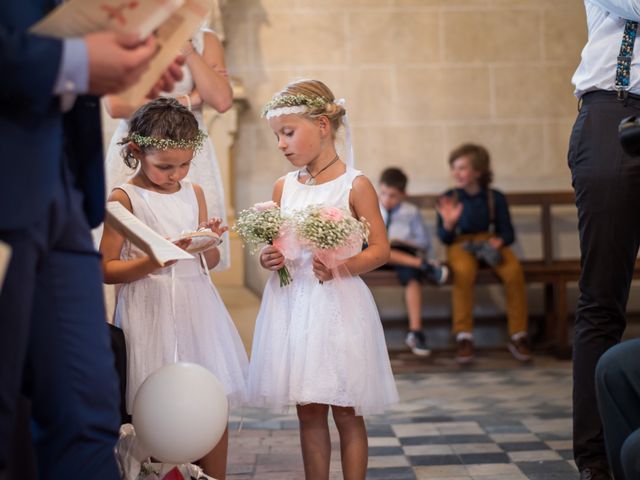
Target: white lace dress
175 313
319 343
204 170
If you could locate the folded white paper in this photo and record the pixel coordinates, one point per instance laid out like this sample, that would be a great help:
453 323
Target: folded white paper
171 36
129 226
173 22
76 18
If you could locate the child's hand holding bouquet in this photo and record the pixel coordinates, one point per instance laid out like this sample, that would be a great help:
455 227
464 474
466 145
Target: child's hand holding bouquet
263 225
332 234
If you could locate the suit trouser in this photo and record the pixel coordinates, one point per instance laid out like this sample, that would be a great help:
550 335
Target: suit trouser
54 344
464 266
607 186
618 388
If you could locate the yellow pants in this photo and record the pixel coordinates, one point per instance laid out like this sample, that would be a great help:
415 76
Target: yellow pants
464 266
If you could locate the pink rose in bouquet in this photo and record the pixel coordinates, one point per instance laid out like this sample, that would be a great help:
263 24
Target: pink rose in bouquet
331 233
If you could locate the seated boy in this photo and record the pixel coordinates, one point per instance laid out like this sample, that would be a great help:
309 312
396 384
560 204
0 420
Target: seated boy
410 246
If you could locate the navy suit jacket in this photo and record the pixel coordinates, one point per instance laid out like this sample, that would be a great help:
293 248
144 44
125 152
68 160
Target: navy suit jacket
35 136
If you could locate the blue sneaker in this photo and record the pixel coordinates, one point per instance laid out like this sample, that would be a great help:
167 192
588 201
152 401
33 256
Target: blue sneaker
417 342
435 272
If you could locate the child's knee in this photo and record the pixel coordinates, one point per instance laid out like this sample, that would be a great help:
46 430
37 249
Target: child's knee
344 415
312 412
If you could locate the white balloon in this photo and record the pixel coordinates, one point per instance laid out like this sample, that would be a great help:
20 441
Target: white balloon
180 412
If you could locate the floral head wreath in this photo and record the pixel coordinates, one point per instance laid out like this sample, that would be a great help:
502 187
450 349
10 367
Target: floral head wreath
166 143
296 104
288 104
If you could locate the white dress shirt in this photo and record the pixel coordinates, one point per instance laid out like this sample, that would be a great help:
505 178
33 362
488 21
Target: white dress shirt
605 22
407 226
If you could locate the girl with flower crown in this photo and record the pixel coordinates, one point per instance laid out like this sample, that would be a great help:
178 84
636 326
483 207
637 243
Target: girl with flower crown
205 81
319 343
173 313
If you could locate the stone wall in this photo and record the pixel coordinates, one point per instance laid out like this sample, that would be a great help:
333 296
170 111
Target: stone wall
419 77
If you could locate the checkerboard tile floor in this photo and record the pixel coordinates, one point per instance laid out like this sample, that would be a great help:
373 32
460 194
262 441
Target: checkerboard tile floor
507 424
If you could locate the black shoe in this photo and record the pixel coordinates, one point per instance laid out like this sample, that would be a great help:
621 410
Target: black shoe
436 272
591 473
417 342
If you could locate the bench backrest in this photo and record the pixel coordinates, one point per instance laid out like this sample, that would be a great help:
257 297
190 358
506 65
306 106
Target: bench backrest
544 200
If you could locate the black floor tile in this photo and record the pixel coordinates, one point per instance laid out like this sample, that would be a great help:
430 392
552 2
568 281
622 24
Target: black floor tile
426 460
523 446
553 466
395 473
445 439
381 451
477 458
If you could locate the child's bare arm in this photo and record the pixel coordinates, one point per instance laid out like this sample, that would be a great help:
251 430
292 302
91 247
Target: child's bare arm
114 269
211 256
364 202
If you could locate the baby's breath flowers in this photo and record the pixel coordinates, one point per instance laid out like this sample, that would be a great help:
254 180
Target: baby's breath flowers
331 233
260 225
327 228
166 143
294 101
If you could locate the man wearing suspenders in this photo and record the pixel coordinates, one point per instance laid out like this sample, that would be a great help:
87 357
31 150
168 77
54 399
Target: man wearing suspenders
607 186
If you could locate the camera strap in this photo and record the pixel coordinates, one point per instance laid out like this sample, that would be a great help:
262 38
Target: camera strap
623 67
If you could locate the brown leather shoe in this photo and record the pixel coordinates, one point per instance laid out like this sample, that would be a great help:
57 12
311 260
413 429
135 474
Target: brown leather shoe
594 474
464 353
520 348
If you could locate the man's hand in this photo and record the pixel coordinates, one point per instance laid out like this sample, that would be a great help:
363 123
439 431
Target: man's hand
116 61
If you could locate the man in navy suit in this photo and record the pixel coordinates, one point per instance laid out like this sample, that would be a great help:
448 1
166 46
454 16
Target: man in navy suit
54 345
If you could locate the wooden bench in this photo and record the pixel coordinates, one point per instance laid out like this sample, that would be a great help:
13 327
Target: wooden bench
553 273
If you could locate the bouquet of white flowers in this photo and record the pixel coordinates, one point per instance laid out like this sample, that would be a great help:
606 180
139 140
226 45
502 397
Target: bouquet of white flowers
330 232
262 225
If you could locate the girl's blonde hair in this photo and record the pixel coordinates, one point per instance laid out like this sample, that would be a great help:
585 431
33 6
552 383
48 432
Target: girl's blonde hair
318 98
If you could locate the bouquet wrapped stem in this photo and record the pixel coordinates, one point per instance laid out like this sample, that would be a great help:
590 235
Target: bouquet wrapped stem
283 274
262 225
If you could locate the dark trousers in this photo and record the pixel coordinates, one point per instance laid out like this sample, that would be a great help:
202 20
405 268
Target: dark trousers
607 186
618 387
54 345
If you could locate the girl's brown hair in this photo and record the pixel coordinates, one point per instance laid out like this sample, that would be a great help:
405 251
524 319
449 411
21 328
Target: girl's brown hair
163 117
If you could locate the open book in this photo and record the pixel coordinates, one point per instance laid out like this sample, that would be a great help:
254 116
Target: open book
129 226
5 256
173 22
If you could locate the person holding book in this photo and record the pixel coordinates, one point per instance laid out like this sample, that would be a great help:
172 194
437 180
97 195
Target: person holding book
54 346
205 82
475 225
170 313
409 257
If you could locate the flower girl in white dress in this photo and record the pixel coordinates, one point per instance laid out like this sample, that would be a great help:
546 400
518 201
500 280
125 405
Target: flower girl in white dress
173 313
205 81
319 343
